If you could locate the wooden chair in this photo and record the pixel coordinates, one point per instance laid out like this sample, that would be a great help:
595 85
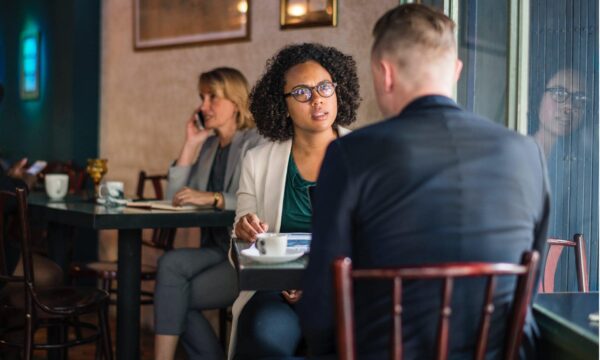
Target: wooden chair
344 300
162 239
55 308
555 249
155 180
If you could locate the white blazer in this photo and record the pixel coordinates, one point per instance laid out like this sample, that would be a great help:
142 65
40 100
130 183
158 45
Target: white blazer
261 191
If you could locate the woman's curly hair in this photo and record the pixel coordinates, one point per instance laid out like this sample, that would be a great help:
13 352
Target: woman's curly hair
267 102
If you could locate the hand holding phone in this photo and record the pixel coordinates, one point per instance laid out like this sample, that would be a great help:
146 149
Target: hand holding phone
37 167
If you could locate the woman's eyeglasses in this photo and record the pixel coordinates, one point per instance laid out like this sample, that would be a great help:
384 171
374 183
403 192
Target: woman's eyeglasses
560 95
304 93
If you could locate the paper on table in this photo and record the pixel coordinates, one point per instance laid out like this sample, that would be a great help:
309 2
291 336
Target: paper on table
163 205
300 241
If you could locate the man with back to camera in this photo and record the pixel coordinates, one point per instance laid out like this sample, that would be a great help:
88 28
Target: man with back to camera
431 184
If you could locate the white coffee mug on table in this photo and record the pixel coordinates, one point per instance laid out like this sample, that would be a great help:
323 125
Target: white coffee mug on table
271 244
110 191
57 185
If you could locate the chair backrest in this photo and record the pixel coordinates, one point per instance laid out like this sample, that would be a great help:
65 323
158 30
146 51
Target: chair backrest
555 249
156 181
4 199
162 238
344 276
20 197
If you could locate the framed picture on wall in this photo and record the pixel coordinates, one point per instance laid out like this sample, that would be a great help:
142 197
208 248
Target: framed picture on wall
307 13
160 23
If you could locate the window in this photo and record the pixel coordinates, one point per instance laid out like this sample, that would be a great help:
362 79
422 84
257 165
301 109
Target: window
563 118
533 66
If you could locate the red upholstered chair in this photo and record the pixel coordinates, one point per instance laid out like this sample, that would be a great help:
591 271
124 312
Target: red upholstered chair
162 239
555 249
56 308
344 276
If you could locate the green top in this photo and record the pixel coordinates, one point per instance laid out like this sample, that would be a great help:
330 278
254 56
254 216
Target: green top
297 210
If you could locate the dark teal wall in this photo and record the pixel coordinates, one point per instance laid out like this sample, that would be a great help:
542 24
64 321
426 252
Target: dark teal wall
63 123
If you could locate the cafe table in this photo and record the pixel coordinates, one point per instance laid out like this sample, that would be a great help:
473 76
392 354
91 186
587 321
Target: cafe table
566 328
253 275
78 212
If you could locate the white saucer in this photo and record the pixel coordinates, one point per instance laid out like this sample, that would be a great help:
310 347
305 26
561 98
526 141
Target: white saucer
291 254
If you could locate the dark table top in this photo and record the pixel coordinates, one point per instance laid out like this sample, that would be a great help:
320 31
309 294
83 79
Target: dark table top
82 212
564 320
571 308
253 275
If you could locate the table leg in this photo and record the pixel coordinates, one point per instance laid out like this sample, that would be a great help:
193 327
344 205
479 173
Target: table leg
60 246
128 299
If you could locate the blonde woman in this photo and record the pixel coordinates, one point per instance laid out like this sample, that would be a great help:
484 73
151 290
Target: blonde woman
190 280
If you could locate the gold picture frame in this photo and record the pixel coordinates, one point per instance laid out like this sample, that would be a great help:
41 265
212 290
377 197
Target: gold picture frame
307 13
159 23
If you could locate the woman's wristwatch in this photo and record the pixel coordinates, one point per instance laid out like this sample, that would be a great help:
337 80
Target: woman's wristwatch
217 196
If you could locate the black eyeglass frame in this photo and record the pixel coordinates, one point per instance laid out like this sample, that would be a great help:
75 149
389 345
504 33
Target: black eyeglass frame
576 97
311 88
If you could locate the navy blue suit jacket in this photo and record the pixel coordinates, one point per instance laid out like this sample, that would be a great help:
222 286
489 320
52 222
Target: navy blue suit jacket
433 184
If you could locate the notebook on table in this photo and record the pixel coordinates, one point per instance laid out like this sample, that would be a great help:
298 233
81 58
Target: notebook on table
163 205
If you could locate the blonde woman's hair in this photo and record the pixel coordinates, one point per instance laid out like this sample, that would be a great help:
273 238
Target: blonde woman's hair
230 84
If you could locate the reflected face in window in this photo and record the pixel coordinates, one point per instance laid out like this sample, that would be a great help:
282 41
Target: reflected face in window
563 103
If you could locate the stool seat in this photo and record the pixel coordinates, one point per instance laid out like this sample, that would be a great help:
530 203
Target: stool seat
109 270
63 300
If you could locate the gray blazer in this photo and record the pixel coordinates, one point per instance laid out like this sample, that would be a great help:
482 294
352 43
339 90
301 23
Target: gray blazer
196 176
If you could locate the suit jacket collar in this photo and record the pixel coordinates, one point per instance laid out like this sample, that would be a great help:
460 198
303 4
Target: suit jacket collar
275 182
234 157
428 102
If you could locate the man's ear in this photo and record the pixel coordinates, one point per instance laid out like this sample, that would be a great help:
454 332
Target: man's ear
457 69
389 75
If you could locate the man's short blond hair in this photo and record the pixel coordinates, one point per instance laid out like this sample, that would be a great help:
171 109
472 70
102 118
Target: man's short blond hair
414 35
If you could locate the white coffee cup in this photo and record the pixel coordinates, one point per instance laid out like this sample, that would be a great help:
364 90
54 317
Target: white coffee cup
110 191
271 244
57 185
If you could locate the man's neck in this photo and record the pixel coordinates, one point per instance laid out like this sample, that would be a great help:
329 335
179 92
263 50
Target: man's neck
403 100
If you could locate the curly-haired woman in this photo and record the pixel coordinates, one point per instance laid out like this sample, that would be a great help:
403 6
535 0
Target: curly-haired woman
307 93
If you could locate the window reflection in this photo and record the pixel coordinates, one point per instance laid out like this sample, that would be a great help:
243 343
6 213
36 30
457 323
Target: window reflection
563 119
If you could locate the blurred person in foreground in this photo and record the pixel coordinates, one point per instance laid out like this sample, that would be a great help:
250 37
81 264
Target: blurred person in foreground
430 184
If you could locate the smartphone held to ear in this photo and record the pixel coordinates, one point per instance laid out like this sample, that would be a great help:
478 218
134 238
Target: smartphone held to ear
199 120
